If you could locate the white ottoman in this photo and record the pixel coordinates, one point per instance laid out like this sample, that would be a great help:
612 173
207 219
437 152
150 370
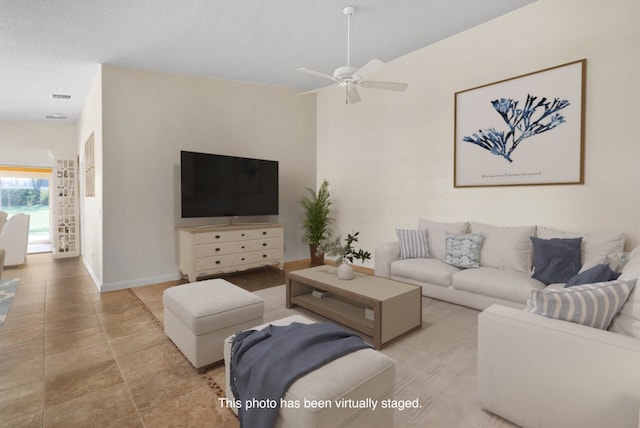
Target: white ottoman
200 315
364 374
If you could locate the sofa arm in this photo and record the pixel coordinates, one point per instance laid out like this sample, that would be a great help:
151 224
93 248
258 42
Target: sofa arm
384 255
537 371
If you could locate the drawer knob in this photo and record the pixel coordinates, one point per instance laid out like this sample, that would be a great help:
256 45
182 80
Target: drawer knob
242 247
242 234
217 249
242 259
217 262
264 233
217 236
264 256
264 244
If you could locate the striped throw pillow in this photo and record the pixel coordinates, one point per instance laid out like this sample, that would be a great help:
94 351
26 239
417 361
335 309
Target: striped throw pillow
413 243
593 305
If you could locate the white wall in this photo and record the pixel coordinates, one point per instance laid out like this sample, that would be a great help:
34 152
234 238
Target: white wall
390 158
91 239
33 143
148 118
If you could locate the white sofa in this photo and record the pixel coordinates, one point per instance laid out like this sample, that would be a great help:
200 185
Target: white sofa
506 260
542 372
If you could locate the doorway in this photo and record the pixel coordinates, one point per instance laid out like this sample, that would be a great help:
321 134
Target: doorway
26 190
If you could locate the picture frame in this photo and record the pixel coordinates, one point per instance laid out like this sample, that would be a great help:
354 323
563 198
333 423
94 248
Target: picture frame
522 131
89 167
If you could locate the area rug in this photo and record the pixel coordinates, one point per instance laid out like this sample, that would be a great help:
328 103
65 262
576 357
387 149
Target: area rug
7 293
436 364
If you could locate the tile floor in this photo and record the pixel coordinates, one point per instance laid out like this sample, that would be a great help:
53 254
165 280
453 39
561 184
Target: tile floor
71 356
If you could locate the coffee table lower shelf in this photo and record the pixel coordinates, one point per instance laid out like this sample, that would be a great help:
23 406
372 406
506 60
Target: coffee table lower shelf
392 308
338 310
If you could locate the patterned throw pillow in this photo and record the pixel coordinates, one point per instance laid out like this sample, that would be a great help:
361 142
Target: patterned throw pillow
463 249
413 243
593 305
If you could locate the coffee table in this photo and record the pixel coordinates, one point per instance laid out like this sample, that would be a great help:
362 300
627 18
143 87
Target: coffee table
378 307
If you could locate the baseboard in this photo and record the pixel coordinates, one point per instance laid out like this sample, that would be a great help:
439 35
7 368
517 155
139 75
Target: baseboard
120 285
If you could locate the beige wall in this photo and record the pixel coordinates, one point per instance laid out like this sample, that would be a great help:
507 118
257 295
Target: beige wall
34 143
148 118
390 158
91 240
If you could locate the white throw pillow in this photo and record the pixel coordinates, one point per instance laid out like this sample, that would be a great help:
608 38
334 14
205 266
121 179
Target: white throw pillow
594 245
437 235
593 305
506 247
628 320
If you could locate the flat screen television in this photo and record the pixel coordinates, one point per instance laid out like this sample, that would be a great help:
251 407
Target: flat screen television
219 186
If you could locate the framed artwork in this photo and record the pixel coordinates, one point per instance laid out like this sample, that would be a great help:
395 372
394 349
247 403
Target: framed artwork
89 167
526 130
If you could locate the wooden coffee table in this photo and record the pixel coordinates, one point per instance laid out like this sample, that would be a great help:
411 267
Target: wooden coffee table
394 308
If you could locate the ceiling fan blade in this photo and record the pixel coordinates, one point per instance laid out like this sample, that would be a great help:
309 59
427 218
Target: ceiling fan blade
367 69
317 74
352 94
389 86
313 91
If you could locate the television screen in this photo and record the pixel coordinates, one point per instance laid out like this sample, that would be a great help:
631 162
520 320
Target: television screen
219 186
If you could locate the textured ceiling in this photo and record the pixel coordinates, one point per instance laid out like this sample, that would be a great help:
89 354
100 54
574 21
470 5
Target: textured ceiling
56 46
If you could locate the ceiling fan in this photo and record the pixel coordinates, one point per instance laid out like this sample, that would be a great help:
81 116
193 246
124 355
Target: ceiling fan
350 77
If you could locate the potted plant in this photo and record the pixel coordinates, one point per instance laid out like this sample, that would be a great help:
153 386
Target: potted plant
334 247
316 220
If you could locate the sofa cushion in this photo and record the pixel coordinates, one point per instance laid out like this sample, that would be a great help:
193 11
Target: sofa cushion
504 284
506 247
627 321
437 235
432 271
594 245
593 305
598 273
556 260
463 249
413 243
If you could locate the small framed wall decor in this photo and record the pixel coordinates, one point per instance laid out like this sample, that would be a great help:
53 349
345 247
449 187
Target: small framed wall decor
90 167
526 130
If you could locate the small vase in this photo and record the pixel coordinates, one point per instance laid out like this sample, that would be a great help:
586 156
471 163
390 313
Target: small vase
345 271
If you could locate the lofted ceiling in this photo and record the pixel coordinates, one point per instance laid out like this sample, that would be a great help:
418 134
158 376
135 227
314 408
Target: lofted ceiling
55 46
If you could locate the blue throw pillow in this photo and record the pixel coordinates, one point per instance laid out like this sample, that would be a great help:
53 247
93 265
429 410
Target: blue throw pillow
598 273
557 259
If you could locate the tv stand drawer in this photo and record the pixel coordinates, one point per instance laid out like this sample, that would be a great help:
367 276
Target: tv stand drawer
237 235
220 249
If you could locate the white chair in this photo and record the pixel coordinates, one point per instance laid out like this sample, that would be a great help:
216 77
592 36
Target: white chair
14 238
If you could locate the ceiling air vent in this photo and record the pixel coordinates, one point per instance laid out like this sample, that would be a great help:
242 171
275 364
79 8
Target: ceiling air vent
56 116
61 96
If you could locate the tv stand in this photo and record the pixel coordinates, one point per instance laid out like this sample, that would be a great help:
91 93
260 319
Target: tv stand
217 249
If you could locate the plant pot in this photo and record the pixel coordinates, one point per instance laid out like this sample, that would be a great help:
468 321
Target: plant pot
345 271
316 259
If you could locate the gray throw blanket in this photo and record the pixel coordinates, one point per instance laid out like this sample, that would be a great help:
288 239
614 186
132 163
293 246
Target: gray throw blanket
264 363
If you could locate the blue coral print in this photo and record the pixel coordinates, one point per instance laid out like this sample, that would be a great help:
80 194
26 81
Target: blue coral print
533 119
